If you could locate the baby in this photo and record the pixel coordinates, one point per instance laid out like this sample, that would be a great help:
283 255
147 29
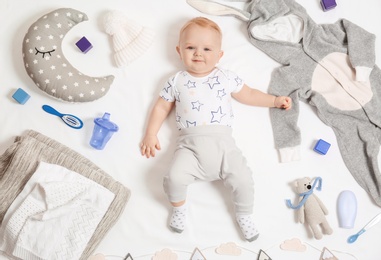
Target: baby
206 150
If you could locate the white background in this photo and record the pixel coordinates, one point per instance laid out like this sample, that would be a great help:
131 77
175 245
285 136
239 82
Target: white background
142 228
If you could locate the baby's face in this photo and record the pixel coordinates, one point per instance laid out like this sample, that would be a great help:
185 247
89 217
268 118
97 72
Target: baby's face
199 49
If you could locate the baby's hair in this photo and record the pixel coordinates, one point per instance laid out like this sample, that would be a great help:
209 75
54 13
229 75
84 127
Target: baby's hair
203 22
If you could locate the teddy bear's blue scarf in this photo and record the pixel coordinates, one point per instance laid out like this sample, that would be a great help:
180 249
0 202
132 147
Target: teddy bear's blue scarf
306 194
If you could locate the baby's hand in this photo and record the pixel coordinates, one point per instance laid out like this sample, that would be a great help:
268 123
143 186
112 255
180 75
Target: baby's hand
149 145
283 102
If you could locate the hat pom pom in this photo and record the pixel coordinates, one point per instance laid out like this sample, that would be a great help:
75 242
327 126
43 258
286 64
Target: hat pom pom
114 21
129 39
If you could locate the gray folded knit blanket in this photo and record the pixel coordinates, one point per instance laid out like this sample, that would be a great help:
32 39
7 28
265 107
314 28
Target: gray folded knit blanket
20 161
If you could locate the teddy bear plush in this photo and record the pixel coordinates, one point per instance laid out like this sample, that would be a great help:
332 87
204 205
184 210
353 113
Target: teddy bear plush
310 209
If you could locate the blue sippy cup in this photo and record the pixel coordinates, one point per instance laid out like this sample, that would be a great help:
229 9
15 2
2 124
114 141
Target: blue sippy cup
102 132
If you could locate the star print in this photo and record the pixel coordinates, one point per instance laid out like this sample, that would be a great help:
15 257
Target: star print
167 87
76 84
51 37
68 14
53 91
96 80
212 82
59 25
70 74
196 105
58 77
70 97
38 38
41 71
238 80
217 115
221 94
27 40
103 89
35 61
35 28
178 118
64 87
81 95
47 58
92 92
47 81
191 123
87 82
190 84
56 14
177 96
53 67
64 64
47 26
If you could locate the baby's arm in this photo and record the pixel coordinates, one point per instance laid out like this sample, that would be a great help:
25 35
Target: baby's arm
158 114
255 97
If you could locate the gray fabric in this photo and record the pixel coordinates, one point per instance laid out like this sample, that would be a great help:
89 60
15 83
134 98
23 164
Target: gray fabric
359 147
47 66
20 160
209 153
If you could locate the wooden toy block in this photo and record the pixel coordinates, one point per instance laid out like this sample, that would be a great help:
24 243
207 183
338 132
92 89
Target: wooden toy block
84 45
322 147
21 96
328 4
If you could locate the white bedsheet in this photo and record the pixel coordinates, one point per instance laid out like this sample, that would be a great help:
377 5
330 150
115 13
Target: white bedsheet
142 229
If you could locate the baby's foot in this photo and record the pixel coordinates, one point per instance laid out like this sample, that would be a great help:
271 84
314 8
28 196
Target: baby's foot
177 221
246 223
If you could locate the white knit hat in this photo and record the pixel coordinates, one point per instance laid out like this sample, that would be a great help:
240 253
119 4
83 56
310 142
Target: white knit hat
130 40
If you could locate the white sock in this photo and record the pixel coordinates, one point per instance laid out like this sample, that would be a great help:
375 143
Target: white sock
178 218
246 223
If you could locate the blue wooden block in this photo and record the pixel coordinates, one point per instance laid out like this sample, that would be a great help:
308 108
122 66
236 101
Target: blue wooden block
328 4
21 96
322 147
84 45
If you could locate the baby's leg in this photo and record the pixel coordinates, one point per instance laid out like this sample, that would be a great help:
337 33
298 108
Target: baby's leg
176 184
238 178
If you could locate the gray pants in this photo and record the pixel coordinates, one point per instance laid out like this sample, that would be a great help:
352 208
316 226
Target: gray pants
209 153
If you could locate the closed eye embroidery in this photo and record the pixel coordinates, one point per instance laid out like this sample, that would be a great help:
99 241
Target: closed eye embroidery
44 52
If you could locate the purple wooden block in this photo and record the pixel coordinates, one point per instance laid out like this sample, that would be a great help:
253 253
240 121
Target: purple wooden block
84 45
328 4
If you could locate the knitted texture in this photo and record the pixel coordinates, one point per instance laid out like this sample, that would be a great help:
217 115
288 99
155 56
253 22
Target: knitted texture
54 216
21 159
130 40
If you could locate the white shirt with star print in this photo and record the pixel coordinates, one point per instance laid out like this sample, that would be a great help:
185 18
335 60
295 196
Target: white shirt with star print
202 100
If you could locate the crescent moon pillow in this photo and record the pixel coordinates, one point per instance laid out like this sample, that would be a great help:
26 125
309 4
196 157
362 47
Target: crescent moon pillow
47 66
